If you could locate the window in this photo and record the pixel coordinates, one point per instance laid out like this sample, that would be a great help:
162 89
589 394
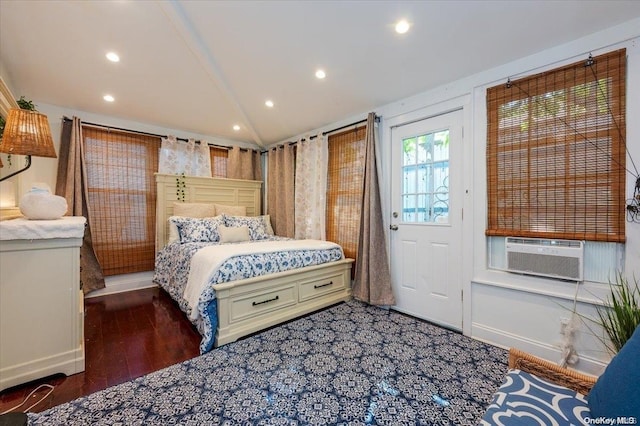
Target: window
120 169
425 173
218 161
556 153
345 189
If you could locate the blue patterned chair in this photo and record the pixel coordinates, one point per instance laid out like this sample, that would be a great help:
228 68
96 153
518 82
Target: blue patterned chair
538 392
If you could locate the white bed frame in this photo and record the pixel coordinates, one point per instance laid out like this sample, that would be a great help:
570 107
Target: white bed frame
253 304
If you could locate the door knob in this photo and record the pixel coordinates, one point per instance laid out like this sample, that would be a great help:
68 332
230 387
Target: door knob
393 227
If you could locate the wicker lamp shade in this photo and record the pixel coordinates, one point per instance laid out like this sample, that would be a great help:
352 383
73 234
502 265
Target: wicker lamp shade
27 133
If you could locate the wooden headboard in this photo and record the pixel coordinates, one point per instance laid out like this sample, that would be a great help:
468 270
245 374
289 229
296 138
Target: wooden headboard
231 192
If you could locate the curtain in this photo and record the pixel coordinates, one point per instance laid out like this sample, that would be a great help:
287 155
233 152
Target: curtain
280 178
311 188
373 279
71 183
177 157
244 164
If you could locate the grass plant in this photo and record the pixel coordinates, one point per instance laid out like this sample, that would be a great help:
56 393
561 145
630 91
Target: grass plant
621 315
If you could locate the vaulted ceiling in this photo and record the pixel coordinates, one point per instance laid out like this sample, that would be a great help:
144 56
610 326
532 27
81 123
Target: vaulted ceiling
203 66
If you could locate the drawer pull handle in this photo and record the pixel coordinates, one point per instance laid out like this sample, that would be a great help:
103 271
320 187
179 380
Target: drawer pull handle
323 285
266 301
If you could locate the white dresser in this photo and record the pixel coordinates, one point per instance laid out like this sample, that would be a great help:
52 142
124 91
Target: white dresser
41 304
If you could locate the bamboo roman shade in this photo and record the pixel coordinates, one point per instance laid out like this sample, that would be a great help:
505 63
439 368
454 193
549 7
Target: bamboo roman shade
345 177
556 153
218 161
120 169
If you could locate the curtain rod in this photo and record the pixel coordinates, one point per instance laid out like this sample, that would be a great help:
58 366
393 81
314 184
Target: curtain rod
364 120
102 126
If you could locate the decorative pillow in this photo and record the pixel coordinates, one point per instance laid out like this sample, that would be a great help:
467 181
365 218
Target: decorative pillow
234 234
267 224
616 393
231 210
193 230
257 229
525 400
194 209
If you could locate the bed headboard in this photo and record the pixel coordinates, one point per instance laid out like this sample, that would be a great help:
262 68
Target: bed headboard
231 192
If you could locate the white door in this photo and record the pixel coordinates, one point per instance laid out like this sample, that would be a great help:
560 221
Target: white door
426 222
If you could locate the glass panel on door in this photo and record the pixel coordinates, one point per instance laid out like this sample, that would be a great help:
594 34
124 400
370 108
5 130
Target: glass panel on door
425 172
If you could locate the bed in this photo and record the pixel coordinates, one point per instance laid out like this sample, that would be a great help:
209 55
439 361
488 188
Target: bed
224 311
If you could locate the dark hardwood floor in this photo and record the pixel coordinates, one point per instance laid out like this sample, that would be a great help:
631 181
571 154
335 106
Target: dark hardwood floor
126 336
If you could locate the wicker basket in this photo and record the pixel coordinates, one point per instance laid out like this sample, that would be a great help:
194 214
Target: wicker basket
547 370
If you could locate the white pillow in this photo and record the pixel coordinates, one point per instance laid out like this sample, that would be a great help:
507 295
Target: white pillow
230 210
235 234
257 226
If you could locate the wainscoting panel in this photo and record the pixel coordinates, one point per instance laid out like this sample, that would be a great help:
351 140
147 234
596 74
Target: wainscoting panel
533 322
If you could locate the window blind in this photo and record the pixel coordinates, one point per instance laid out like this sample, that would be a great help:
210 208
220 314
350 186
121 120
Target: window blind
218 161
556 153
345 177
120 169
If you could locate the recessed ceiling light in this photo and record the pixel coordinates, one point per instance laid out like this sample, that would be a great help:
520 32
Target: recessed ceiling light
236 127
269 103
320 74
113 57
402 26
108 98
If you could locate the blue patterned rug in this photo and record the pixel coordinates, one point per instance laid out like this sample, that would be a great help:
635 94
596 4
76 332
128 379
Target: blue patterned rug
350 364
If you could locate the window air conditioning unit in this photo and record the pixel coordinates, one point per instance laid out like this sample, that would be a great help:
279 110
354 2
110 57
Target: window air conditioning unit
561 259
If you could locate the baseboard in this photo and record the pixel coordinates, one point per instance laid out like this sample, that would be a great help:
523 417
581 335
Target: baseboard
507 340
122 283
67 363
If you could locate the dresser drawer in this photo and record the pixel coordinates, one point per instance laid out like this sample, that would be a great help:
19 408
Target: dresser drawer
321 286
249 305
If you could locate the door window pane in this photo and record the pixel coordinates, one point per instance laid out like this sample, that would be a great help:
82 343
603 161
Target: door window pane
425 183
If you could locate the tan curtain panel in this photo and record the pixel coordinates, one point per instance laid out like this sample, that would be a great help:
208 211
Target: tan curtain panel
281 196
372 283
122 197
244 164
71 183
556 153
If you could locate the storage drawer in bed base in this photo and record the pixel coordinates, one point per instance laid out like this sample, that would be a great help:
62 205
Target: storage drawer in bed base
318 287
247 306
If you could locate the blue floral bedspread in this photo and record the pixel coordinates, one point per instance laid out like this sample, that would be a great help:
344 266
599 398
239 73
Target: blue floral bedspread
172 271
